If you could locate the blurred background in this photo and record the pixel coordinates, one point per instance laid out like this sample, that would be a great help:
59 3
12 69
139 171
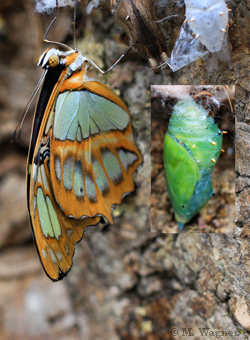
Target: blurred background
126 282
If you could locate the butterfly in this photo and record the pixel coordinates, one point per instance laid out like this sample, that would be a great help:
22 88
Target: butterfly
82 158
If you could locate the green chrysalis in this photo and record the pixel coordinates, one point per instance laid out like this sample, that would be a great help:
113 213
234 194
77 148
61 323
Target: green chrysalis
192 146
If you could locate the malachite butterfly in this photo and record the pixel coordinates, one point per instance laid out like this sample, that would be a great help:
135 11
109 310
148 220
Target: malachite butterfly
192 146
82 158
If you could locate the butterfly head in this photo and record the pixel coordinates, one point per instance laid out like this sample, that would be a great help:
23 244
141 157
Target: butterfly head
72 60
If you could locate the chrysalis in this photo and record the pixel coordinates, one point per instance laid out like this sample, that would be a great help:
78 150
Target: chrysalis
48 6
208 20
192 146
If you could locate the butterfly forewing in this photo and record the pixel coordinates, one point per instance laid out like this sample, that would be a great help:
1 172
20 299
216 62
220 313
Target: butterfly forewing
96 165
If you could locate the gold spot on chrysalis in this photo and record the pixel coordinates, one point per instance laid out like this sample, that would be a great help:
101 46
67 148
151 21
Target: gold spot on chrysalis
213 143
194 146
213 160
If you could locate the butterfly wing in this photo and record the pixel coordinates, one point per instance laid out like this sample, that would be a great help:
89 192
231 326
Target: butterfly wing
81 161
55 234
93 156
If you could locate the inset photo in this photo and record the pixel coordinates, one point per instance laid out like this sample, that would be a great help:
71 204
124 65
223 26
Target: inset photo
192 159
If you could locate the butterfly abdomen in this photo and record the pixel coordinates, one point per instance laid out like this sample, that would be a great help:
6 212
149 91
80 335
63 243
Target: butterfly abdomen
192 146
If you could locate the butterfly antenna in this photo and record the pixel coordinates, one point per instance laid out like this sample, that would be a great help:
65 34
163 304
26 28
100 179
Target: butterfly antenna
74 23
50 25
26 108
48 29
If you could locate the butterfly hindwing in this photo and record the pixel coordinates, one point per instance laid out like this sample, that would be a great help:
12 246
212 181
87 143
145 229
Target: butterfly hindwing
55 234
